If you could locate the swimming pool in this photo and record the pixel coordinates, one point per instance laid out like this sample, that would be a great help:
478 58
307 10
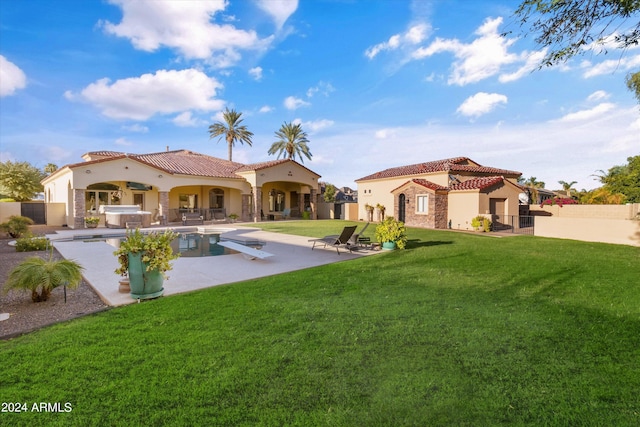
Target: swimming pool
186 244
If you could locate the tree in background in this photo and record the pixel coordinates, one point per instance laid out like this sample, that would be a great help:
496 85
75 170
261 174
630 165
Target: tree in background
573 27
567 187
232 130
329 194
292 142
20 180
531 188
624 179
50 168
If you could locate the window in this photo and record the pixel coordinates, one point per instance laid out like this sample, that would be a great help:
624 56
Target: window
188 201
276 201
422 204
216 198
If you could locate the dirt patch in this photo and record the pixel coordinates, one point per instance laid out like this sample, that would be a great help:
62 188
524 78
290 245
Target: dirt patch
25 315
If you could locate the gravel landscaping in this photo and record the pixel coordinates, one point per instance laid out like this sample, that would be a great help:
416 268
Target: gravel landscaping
26 316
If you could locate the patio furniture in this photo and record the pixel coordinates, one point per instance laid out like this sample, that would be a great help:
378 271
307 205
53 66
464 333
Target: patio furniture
337 241
189 218
286 213
363 240
117 216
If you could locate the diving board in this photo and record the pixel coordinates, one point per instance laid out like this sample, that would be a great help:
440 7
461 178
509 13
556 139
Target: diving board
250 253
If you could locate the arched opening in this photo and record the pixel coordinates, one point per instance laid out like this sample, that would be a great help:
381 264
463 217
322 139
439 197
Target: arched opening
402 203
276 201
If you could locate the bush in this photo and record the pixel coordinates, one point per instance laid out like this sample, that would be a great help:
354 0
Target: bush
17 225
477 221
28 244
7 200
486 225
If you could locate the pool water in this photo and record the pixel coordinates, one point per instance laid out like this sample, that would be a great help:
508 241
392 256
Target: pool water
186 244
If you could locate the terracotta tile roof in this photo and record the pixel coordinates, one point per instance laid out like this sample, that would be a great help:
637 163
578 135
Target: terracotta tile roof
185 162
271 163
483 169
424 183
417 169
454 164
477 183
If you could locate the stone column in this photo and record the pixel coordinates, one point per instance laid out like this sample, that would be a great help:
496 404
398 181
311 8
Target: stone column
246 214
313 199
79 208
163 206
257 204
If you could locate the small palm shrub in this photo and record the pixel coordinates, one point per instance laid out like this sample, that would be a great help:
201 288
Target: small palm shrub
28 244
17 225
41 276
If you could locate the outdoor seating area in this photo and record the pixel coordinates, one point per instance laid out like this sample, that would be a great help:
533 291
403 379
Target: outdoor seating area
337 242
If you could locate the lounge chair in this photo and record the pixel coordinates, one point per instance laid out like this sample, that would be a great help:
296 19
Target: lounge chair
286 213
359 238
337 241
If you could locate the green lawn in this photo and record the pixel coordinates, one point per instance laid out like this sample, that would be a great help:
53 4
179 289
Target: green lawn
459 329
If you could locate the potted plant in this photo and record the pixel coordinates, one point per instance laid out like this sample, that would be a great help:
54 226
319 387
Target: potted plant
233 217
146 259
391 233
91 221
41 276
369 208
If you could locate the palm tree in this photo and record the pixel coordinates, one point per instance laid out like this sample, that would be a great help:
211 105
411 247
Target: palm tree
232 130
292 142
36 274
567 187
50 168
532 185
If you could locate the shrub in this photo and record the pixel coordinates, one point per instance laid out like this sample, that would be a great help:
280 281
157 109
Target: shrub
17 225
476 222
391 230
36 274
7 200
30 243
92 220
486 225
560 201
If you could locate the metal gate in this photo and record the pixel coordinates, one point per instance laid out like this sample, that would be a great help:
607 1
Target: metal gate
516 224
35 211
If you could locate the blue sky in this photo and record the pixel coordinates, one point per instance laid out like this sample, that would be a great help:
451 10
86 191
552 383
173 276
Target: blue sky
375 84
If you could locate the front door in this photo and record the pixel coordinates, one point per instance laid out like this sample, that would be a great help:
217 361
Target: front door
401 207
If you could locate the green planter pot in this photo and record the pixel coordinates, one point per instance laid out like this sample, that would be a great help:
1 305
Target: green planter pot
388 246
144 284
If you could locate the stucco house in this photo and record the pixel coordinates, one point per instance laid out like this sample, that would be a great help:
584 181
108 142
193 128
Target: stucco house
441 194
170 182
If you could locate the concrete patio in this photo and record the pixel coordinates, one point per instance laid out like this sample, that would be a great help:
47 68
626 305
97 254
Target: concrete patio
290 253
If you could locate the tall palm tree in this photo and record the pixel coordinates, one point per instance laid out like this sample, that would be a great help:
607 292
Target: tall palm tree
50 168
532 185
232 130
292 142
567 187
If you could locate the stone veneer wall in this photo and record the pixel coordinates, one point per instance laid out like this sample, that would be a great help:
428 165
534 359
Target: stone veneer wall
79 208
438 208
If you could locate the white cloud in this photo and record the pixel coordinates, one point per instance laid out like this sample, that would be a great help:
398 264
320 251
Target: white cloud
265 109
611 65
12 77
532 61
316 125
481 103
598 95
123 142
590 114
385 133
164 92
279 10
6 156
413 36
256 73
186 119
185 26
322 88
136 128
478 60
293 103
